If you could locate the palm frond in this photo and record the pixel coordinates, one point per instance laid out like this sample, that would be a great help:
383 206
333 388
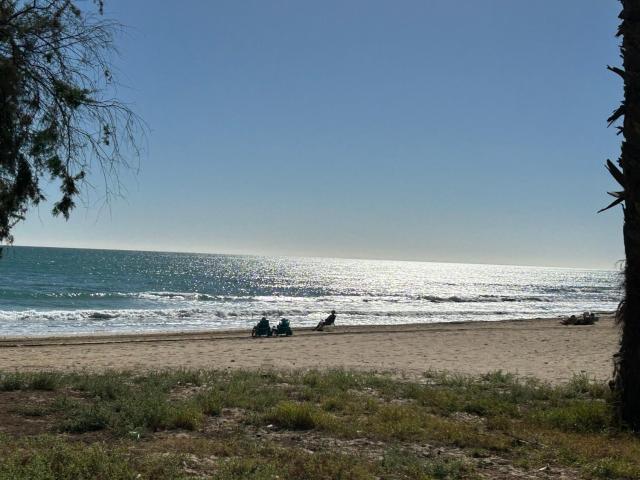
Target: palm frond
612 204
615 172
617 70
620 111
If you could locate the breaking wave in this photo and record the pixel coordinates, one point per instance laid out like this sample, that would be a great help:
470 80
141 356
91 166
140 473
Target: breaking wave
69 291
483 298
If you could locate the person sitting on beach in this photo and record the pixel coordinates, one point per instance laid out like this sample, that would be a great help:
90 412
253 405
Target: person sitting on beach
330 320
262 329
283 328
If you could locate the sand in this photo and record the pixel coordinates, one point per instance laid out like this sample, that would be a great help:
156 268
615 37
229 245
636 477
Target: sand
541 348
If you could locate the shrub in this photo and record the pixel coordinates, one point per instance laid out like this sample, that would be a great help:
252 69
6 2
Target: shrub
10 382
48 458
210 403
187 416
31 410
106 386
86 419
296 416
578 416
405 464
44 381
149 410
582 385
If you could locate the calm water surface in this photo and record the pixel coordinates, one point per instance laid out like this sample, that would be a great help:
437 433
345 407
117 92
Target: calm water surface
47 291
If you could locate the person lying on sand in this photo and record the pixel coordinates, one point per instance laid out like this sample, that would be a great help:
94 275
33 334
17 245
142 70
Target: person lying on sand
588 318
330 320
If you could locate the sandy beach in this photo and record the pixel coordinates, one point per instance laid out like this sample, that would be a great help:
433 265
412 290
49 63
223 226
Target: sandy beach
541 348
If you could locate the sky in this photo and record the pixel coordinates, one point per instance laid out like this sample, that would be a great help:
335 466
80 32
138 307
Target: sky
468 131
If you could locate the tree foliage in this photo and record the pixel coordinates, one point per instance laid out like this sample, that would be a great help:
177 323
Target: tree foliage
59 117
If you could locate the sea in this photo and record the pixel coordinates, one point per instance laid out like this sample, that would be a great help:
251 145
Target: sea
60 291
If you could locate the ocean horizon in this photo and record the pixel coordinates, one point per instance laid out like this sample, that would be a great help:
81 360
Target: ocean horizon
69 291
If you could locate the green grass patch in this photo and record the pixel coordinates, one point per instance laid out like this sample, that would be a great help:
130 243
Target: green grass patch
86 419
311 425
32 410
48 458
577 416
404 464
10 382
48 381
298 416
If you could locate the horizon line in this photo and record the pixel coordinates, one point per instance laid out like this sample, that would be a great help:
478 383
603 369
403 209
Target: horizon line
2 247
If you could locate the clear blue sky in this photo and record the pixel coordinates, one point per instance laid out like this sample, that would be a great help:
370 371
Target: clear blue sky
469 131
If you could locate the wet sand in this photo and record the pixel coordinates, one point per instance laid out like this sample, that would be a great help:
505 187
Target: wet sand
543 348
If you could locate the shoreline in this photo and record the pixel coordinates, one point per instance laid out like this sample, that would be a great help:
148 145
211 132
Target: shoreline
542 348
241 333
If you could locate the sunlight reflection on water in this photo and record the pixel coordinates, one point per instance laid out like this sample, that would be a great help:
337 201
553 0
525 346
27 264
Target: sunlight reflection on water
67 291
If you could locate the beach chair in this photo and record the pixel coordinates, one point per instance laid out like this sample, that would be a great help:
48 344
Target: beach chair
572 320
283 328
587 318
262 329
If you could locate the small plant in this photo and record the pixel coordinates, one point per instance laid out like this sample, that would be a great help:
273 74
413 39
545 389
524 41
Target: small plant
44 381
32 410
10 382
47 458
188 416
405 464
149 410
106 386
581 385
64 404
294 416
578 416
210 403
499 378
86 419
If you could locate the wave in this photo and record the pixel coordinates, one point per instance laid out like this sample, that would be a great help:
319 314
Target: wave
140 316
101 315
483 298
53 322
189 296
582 289
193 296
92 316
169 297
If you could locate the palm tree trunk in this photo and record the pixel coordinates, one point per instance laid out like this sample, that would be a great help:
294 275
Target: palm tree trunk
627 378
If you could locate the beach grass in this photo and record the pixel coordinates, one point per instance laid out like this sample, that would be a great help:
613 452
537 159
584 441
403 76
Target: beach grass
307 425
